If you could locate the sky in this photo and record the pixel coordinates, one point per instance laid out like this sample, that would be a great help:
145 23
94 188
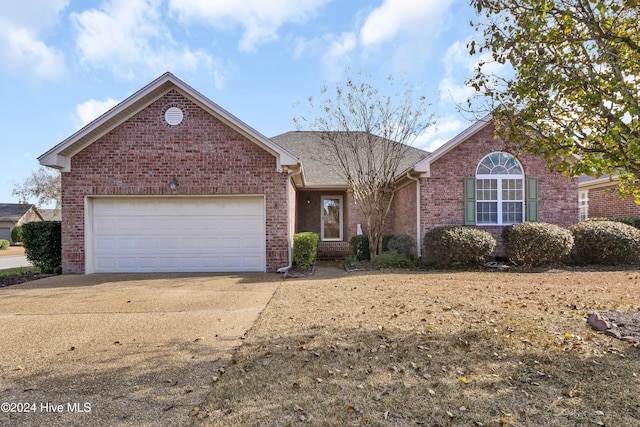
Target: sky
65 62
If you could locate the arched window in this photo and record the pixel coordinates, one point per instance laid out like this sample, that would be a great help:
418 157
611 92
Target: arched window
499 190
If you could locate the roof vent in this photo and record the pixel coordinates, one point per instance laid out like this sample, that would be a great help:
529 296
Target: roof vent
173 116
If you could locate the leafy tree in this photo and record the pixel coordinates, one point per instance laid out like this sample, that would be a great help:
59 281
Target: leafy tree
44 185
570 87
369 132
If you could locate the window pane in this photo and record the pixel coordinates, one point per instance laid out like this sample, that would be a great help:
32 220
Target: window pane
512 189
487 189
487 213
331 218
512 212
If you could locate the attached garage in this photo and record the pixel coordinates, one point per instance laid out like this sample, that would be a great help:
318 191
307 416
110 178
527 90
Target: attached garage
175 234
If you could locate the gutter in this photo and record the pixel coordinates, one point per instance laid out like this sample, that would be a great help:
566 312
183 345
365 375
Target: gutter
418 238
290 175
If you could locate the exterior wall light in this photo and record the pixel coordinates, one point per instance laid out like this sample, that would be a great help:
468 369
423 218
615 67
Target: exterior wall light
308 200
173 184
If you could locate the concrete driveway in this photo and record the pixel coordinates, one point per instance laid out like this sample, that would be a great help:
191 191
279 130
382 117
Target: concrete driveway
17 261
120 349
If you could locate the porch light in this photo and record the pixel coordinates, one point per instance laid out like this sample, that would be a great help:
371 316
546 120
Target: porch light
308 200
173 184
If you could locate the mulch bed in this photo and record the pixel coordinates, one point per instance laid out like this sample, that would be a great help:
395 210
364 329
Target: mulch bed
16 279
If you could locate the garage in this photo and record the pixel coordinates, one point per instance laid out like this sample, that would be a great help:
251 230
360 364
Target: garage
176 234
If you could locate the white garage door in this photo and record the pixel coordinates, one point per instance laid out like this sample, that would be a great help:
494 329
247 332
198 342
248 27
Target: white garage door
176 234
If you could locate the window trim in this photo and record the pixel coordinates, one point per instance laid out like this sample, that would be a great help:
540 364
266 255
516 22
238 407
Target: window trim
340 215
583 205
499 201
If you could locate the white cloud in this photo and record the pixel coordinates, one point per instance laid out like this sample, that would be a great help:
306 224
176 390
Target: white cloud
128 37
23 51
460 66
336 57
259 19
395 17
435 136
92 109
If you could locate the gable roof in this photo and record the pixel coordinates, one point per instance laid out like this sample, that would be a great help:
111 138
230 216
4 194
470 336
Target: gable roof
319 168
59 157
424 165
13 212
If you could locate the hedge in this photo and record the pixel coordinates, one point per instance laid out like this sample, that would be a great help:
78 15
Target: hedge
16 234
457 246
536 244
4 244
305 249
43 245
606 242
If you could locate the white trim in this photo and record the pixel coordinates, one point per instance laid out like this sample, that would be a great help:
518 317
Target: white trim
424 165
340 218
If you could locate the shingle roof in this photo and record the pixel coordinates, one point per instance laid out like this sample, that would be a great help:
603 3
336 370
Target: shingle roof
12 212
320 169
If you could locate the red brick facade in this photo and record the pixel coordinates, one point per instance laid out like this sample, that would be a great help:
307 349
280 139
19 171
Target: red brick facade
141 155
606 202
443 192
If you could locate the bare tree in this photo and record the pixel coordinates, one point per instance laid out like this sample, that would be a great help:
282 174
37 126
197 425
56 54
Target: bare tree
44 185
369 133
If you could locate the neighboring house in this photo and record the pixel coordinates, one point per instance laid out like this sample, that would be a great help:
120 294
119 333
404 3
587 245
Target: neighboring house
169 181
51 214
15 214
599 198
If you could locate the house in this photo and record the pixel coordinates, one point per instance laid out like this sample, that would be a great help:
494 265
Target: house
599 198
167 180
15 214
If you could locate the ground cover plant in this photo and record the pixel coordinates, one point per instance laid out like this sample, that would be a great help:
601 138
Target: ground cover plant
441 348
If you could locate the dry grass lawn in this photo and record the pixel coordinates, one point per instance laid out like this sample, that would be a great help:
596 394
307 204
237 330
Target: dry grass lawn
435 349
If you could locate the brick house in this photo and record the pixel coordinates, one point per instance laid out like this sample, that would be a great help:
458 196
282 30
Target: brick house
599 198
167 180
16 214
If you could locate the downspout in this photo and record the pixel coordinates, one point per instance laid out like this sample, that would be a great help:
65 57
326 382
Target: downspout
290 175
418 238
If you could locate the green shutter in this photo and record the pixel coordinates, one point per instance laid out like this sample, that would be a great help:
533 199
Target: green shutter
532 199
470 201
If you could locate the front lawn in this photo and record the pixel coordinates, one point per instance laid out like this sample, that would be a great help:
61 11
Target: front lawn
434 349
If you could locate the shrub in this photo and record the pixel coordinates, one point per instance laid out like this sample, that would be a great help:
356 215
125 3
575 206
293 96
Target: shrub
360 247
4 244
385 242
392 259
606 242
305 249
456 245
16 234
404 245
42 245
633 221
534 244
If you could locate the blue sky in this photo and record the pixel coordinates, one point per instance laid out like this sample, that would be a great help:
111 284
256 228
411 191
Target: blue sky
65 62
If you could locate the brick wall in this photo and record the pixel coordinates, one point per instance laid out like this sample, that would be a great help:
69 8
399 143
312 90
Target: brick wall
443 193
606 202
404 210
141 155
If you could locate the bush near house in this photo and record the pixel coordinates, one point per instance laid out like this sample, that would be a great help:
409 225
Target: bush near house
392 259
305 249
4 244
450 246
403 244
360 247
16 234
606 242
535 244
43 245
633 221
